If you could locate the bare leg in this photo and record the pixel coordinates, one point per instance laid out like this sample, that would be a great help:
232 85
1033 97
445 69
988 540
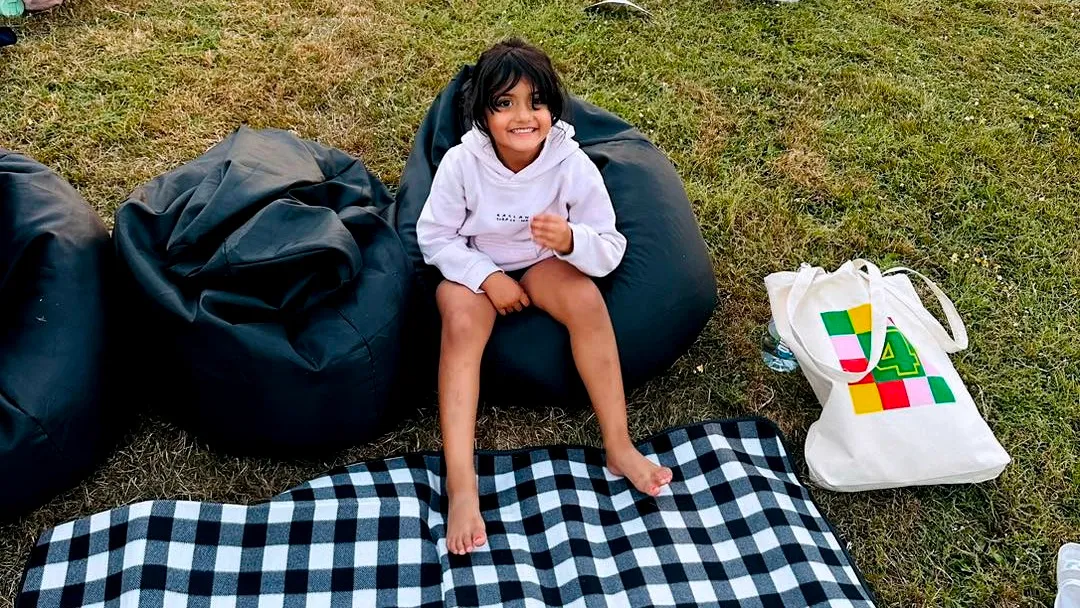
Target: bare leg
574 300
467 320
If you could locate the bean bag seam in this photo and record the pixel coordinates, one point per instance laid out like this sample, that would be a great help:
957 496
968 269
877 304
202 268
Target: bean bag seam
370 353
34 419
231 264
347 168
627 140
614 140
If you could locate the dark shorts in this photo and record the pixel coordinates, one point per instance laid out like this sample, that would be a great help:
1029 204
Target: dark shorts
518 274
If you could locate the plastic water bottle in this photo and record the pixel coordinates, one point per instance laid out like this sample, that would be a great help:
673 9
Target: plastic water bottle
1068 576
775 353
11 8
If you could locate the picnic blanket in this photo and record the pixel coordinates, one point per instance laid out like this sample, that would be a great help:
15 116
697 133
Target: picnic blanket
735 528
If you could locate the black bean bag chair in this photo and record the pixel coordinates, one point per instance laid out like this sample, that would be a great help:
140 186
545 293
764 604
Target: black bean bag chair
55 273
270 289
659 298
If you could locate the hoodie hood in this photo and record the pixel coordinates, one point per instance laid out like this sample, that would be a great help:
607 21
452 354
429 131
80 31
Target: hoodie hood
558 146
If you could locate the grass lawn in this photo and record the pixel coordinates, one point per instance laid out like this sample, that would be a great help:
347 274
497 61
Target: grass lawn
939 135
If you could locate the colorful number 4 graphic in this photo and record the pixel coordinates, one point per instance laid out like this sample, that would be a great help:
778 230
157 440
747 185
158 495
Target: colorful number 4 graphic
900 379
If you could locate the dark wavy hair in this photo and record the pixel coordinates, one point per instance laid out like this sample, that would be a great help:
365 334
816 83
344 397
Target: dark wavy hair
499 69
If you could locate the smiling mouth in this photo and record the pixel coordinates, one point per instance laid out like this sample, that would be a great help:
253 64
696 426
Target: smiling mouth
523 130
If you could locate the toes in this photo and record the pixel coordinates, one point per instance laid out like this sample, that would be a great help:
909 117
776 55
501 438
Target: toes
466 536
662 476
476 539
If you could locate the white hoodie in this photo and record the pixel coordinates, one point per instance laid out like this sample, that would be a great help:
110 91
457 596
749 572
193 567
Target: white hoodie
476 219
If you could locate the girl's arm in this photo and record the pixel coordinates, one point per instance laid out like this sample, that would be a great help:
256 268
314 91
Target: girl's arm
597 246
437 231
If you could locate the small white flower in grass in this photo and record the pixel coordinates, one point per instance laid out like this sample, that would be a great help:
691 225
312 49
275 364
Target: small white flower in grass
699 369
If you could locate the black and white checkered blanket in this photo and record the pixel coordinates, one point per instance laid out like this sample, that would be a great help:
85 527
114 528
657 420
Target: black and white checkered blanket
735 528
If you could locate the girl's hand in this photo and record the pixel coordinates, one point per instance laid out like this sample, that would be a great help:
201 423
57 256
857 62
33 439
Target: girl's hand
506 294
553 232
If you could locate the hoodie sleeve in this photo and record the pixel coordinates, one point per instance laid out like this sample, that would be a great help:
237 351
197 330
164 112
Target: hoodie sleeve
598 246
437 231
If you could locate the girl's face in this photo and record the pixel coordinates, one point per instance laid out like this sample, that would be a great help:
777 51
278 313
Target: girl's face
519 124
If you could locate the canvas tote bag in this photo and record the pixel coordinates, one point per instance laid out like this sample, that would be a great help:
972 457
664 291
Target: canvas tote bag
894 411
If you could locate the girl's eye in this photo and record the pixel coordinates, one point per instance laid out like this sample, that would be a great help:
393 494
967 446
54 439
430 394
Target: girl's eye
502 103
538 102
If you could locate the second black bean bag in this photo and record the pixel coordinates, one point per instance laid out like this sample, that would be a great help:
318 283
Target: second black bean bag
55 276
659 298
270 290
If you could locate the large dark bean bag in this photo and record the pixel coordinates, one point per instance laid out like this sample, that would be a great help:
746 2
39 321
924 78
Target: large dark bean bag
659 298
55 265
271 289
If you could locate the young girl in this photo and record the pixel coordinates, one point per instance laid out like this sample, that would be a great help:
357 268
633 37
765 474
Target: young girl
518 216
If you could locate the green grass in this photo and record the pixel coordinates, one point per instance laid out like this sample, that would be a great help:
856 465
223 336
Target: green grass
943 136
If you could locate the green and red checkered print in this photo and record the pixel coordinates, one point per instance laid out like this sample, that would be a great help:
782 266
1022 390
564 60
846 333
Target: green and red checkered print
900 380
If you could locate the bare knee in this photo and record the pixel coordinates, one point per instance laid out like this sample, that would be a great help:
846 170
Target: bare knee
466 317
578 303
588 305
465 325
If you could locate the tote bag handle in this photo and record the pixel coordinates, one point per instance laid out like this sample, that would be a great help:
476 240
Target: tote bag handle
952 341
804 281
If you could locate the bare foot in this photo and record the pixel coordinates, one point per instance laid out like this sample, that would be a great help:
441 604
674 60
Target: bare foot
628 462
464 525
